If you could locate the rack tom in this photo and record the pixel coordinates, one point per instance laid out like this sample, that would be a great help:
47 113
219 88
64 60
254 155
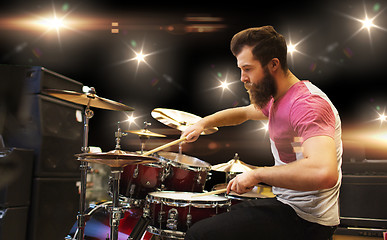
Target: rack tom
184 173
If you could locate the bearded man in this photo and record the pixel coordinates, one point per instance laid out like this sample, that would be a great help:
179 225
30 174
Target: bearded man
306 183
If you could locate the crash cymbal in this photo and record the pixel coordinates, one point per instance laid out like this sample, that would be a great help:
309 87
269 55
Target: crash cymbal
178 119
115 158
234 165
145 132
90 99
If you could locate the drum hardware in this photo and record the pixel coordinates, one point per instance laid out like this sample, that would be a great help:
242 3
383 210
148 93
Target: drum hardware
119 134
89 99
172 219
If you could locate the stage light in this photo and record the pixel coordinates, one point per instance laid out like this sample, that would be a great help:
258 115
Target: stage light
382 117
53 22
140 57
224 84
367 23
265 126
291 48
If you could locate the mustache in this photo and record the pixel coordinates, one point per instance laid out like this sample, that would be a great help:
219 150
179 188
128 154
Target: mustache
248 85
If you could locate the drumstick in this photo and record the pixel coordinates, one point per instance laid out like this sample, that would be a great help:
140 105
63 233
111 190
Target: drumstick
223 190
164 146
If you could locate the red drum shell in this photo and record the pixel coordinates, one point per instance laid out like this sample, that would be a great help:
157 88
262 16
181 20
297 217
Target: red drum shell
186 173
199 209
147 179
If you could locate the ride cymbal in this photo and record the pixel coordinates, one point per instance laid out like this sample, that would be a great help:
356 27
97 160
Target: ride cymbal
178 119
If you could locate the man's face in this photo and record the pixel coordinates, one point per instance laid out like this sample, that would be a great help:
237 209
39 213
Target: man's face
257 79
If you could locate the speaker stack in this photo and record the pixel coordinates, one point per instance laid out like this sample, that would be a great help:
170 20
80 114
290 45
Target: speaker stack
53 129
363 194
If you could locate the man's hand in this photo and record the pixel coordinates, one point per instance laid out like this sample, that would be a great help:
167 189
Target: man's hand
243 183
193 132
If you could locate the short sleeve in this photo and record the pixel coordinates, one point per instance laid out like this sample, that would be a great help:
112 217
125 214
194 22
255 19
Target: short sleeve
312 116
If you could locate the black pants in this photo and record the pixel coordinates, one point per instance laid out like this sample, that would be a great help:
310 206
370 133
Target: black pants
259 219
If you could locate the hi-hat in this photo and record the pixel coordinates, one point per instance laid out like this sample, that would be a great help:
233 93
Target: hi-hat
234 165
146 133
115 158
178 119
87 99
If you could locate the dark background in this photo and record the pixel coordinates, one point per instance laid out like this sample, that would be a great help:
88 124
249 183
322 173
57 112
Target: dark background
184 68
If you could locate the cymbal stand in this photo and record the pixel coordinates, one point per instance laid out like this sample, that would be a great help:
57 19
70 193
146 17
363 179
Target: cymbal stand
116 210
119 134
84 168
144 138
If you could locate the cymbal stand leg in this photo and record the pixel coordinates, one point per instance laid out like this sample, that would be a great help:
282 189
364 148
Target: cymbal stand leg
84 168
116 211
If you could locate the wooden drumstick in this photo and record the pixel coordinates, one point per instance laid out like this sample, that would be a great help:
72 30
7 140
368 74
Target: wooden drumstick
223 190
164 146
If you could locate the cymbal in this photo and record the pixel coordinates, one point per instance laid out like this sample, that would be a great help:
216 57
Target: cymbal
234 165
145 132
178 119
87 99
115 158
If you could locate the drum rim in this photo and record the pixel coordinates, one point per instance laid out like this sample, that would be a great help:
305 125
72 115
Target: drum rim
151 198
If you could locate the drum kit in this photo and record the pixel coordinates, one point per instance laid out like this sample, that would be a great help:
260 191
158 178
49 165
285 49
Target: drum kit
155 194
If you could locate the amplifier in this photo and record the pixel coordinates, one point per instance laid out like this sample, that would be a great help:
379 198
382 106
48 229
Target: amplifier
363 203
17 192
37 78
53 130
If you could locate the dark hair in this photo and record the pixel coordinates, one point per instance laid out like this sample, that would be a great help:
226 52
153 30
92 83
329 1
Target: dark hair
266 42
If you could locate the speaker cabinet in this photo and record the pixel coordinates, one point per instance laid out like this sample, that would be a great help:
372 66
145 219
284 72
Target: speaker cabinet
17 192
54 130
13 223
363 203
54 207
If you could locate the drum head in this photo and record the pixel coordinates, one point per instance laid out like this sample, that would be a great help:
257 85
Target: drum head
181 159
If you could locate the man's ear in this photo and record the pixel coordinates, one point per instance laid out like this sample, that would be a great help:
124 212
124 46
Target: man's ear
274 65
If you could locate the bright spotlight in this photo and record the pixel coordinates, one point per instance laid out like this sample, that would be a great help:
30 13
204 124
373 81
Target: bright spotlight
291 48
367 23
224 85
53 23
140 57
382 117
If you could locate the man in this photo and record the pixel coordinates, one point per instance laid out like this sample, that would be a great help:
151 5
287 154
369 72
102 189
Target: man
305 136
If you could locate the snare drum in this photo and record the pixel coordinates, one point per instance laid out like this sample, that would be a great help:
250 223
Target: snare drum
172 213
138 180
184 173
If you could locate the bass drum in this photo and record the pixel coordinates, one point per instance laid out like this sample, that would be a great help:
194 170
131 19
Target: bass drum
98 226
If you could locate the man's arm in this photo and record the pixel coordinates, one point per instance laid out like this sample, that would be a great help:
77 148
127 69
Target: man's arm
227 117
318 170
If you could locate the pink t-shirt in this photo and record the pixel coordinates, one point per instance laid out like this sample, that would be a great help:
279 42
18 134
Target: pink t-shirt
303 112
297 116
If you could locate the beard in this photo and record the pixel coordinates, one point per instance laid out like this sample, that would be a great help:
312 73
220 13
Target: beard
261 93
